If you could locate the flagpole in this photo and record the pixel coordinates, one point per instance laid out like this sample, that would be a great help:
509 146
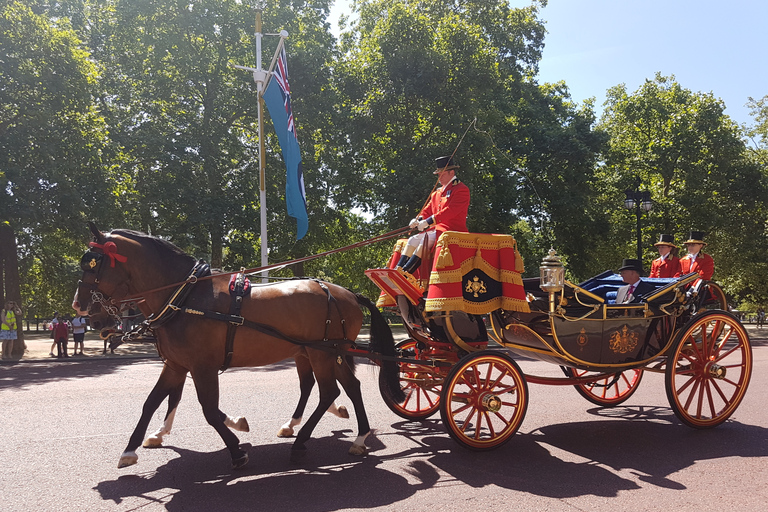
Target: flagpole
261 77
262 158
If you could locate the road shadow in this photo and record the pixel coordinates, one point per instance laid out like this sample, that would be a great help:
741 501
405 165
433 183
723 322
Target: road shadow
600 458
22 375
270 481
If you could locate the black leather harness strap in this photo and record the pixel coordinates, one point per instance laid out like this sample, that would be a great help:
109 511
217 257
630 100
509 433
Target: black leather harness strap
332 299
235 320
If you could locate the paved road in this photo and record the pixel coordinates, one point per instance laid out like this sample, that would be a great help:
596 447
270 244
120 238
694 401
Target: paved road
65 424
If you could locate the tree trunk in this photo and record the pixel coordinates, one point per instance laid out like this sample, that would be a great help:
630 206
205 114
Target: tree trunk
11 281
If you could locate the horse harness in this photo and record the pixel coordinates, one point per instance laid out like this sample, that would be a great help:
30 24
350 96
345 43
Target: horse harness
238 287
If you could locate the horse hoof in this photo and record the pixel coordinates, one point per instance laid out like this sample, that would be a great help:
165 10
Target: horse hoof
343 412
127 459
240 461
285 432
153 442
358 449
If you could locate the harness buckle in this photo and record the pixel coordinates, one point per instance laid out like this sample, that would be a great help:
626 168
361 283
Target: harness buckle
236 320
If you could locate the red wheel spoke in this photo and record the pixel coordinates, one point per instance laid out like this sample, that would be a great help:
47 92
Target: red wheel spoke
489 423
720 392
508 389
720 357
700 398
479 423
692 393
712 412
503 373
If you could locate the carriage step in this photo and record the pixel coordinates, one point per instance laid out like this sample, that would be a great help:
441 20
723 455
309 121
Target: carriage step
394 282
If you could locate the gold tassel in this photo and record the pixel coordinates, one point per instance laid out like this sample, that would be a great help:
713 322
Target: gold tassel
444 259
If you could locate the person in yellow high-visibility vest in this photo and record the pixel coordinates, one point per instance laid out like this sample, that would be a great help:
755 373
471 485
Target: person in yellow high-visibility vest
8 318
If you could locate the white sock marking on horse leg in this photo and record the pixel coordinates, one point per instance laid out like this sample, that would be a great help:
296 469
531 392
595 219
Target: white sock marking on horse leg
358 446
156 439
239 423
339 411
287 429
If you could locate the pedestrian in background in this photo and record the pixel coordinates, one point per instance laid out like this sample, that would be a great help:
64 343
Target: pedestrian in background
79 326
54 321
61 335
8 318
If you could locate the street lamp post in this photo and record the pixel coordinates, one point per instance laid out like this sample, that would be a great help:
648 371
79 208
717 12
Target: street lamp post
639 201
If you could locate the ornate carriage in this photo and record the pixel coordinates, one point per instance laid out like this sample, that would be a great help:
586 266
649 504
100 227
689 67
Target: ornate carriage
468 311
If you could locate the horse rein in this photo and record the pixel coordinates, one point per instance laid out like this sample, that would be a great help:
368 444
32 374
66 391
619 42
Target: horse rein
193 279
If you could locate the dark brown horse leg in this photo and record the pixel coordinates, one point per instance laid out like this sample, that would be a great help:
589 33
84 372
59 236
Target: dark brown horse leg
156 438
306 383
329 391
168 381
207 387
345 374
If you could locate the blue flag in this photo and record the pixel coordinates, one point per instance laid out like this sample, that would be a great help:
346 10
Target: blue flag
277 97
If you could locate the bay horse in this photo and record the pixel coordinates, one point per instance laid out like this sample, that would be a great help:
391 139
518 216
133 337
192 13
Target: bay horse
298 318
107 324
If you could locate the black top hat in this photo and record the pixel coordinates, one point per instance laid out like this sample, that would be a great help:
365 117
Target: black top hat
666 240
445 163
630 264
696 237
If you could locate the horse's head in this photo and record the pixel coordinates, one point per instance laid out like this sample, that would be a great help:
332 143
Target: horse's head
105 279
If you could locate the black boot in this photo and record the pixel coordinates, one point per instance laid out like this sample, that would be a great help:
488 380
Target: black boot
412 264
402 262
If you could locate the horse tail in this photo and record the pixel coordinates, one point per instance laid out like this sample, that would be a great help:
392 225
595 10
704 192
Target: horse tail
383 343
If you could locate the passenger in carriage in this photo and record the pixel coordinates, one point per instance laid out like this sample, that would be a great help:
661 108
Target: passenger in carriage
667 264
630 293
695 260
446 210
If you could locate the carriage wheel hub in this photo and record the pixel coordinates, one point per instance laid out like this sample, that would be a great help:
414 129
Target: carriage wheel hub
492 403
716 371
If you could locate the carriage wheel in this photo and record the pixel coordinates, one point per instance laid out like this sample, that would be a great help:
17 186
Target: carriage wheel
484 400
708 370
609 391
421 385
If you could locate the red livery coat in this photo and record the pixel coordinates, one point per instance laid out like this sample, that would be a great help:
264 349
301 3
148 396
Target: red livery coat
704 265
669 267
448 208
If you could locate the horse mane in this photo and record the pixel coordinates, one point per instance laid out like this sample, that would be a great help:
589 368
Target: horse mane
159 244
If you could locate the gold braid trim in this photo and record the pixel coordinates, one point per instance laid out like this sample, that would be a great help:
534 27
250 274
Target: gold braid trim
477 308
457 275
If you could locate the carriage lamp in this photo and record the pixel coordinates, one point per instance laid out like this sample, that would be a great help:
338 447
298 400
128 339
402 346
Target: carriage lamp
552 273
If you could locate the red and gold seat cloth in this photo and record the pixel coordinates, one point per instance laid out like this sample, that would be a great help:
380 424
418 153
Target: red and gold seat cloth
476 273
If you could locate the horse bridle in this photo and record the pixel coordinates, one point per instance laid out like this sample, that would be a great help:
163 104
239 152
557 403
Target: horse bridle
93 262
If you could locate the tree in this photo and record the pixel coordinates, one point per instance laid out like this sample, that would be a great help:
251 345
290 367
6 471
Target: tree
691 157
51 146
417 75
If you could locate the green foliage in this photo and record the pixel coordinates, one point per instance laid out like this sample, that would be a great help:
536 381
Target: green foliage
52 150
691 157
130 113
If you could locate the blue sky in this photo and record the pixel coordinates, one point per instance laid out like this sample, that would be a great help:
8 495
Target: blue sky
710 46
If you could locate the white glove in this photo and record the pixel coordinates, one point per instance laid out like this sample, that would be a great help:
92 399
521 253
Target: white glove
413 223
424 224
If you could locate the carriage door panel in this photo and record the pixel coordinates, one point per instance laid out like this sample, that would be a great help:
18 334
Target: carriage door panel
626 335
